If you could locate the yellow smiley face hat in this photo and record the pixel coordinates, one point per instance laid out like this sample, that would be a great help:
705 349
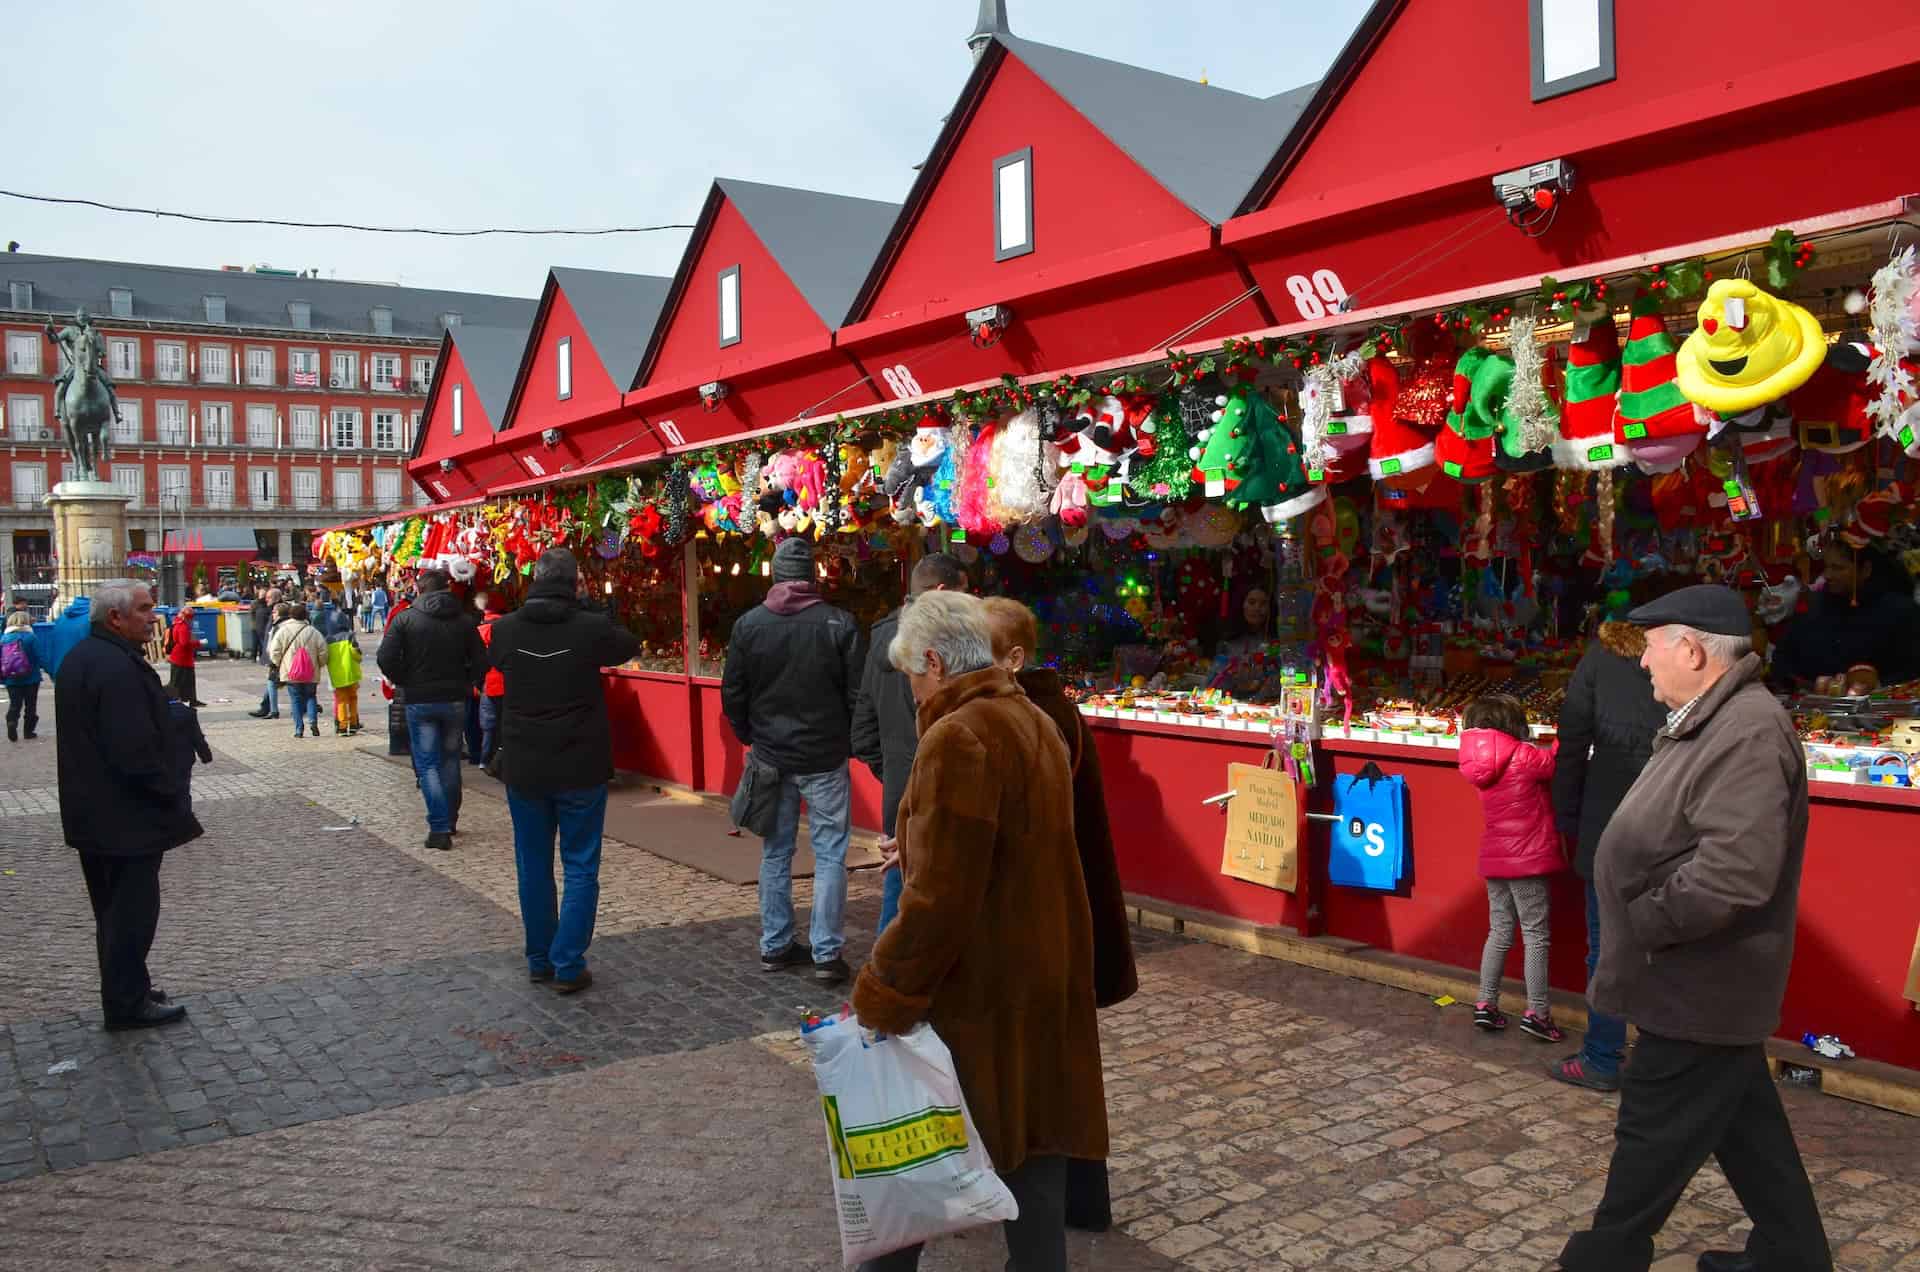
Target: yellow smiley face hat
1749 349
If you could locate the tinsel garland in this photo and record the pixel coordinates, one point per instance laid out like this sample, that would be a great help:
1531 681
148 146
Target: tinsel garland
750 482
1527 400
832 512
1316 402
675 495
1168 476
1894 333
1603 515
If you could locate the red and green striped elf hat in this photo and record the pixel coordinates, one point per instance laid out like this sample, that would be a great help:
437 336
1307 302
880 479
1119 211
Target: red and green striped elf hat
1651 406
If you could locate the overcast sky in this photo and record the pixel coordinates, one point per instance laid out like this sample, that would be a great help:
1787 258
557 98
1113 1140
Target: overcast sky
484 113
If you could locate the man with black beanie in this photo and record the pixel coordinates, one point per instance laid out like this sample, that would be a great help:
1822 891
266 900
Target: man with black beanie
793 673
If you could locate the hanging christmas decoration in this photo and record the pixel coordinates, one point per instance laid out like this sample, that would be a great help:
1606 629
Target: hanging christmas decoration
1032 544
1592 389
1321 396
1653 419
1893 318
1750 349
675 495
1168 476
1532 418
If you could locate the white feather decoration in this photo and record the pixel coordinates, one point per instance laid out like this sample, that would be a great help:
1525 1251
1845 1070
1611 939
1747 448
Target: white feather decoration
1528 400
1893 333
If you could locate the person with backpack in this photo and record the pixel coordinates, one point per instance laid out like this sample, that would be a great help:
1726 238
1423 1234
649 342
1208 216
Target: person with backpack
182 649
20 668
299 650
343 670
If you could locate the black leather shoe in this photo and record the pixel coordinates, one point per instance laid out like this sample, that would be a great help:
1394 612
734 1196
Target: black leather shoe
1728 1261
795 955
259 715
440 841
147 1015
832 972
575 985
156 995
540 977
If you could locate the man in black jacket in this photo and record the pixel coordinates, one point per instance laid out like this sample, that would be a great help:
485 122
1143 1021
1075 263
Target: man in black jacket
886 731
122 805
556 758
433 654
793 672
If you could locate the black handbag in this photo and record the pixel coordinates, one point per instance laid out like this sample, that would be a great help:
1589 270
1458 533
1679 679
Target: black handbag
755 807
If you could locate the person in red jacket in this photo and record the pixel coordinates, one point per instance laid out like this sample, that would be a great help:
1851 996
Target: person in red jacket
1519 850
181 648
494 691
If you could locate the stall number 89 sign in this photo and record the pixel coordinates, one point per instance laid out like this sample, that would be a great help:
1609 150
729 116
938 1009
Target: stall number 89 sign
1317 294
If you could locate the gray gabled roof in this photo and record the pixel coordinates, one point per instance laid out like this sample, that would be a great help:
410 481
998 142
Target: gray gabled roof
618 311
825 243
1206 145
176 294
492 358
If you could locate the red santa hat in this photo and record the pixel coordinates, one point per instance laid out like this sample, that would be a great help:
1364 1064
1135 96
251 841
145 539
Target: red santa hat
1400 447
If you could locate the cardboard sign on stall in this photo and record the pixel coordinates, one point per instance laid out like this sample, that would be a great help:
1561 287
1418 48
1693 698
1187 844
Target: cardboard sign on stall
1264 820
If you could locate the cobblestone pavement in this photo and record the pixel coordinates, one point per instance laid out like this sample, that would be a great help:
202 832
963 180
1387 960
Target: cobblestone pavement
366 1079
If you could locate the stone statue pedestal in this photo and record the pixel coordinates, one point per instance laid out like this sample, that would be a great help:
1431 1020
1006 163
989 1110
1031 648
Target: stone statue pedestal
89 536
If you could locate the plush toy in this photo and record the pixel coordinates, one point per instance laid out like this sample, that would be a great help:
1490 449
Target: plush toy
910 477
1249 459
1097 449
1749 349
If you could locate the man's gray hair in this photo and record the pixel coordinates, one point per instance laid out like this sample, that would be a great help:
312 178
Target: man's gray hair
1723 650
556 565
951 624
115 596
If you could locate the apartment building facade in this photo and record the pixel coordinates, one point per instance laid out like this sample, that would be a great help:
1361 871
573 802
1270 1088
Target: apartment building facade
249 400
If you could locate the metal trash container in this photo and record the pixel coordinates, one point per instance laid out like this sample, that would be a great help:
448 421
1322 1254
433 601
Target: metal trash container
237 628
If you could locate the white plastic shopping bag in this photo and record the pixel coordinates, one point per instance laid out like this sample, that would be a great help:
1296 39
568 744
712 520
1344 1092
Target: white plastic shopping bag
906 1161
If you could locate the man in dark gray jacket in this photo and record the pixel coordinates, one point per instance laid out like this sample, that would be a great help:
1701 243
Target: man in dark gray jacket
1698 878
793 671
886 730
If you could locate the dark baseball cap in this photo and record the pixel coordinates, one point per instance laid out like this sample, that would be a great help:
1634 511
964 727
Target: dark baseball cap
1705 607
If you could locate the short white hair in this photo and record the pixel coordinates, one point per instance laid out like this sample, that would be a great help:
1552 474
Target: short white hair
951 624
115 596
1723 650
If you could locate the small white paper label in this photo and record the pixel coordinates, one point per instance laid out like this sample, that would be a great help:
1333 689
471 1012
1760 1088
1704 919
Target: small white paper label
1736 311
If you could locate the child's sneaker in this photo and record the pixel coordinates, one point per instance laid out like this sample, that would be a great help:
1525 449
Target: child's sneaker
1489 1017
1541 1027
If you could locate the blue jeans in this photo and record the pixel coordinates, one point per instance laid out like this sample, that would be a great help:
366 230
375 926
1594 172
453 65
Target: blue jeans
558 935
890 886
1606 1042
434 731
305 701
829 799
270 700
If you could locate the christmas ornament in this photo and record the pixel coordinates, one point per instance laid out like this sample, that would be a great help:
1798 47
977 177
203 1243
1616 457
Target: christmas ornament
1592 383
1032 544
1751 348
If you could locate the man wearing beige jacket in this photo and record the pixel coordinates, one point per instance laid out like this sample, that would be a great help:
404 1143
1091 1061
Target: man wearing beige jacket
1698 878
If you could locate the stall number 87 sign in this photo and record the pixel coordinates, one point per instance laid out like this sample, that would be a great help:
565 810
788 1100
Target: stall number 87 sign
1317 294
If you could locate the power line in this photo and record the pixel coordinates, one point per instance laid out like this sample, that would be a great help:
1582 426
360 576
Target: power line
335 225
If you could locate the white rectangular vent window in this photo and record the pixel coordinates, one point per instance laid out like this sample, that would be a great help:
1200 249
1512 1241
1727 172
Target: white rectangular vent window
1013 205
730 306
459 410
1572 45
565 366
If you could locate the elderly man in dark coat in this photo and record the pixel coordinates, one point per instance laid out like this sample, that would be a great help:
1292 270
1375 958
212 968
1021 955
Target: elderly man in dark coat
1698 877
122 804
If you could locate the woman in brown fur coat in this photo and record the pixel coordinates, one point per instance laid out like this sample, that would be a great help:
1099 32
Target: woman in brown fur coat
993 945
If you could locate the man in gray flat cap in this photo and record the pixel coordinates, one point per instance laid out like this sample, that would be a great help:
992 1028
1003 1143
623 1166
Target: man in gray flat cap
1698 877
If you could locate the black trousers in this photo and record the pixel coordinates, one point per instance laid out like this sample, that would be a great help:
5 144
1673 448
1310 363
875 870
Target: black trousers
125 892
1036 1241
23 699
1680 1103
183 683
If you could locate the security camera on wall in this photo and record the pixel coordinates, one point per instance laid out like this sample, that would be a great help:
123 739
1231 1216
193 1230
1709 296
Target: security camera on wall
550 436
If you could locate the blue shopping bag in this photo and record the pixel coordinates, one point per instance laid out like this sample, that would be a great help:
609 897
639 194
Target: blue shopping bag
1370 837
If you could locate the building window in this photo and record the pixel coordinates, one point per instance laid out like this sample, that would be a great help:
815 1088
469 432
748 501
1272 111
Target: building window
131 481
260 425
459 409
20 296
386 489
123 359
216 308
422 374
170 423
730 306
565 367
300 315
176 488
29 484
25 420
386 430
306 489
382 320
346 429
120 301
304 433
303 368
218 480
413 430
216 364
346 371
259 366
386 371
346 487
169 361
216 424
263 487
1013 205
126 429
1572 45
23 353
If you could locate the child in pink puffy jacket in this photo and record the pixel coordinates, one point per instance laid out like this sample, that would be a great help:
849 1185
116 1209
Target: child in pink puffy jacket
1519 849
